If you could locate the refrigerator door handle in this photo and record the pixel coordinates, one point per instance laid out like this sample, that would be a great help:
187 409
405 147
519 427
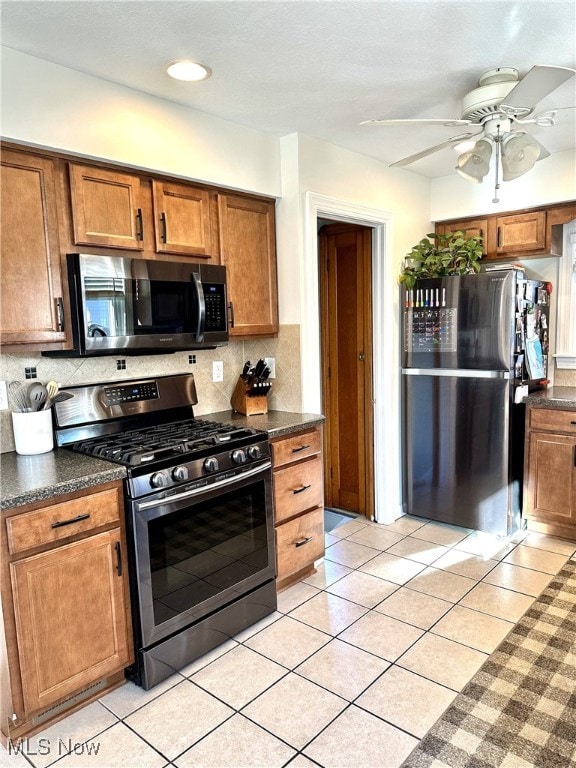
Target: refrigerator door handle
458 372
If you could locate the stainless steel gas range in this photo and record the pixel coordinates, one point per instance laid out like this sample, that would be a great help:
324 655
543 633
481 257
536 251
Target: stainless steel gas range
199 515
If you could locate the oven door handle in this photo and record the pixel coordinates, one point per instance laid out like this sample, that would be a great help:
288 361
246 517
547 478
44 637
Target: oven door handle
141 506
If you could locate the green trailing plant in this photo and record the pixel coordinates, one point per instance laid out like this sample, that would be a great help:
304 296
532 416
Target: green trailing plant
439 255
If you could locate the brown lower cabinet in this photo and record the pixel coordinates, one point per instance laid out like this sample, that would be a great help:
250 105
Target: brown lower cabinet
65 605
298 504
550 472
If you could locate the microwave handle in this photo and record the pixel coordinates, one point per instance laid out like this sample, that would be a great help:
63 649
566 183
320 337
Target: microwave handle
201 307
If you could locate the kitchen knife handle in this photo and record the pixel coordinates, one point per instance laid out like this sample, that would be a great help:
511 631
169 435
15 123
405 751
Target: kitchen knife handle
301 490
302 448
118 558
164 233
301 542
60 523
231 310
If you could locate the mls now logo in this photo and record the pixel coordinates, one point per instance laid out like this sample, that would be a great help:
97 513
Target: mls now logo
43 746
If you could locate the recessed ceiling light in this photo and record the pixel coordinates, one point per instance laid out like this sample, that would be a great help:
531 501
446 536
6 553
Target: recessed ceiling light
187 70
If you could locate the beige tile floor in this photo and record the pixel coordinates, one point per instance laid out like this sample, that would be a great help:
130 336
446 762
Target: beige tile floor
354 667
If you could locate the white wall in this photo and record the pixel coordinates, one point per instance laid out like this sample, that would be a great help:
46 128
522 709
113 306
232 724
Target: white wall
48 105
552 180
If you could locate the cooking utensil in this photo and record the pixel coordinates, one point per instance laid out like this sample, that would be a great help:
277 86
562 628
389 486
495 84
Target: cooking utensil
18 396
58 398
37 394
52 390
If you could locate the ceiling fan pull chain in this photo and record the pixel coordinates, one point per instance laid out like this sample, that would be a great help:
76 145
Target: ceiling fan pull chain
496 199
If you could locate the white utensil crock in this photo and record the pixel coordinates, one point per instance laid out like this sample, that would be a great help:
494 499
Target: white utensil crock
33 432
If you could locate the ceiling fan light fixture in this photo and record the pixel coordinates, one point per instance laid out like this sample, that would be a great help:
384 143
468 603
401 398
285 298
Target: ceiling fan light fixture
465 146
519 155
190 71
475 164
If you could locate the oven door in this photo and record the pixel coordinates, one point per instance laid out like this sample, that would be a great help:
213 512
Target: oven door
200 549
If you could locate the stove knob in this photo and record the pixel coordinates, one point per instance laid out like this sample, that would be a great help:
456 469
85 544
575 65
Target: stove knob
211 464
254 452
238 456
159 480
180 473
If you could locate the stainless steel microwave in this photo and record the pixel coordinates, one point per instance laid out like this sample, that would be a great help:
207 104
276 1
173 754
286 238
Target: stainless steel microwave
142 306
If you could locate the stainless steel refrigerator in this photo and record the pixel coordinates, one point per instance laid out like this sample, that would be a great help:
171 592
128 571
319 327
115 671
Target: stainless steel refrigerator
473 346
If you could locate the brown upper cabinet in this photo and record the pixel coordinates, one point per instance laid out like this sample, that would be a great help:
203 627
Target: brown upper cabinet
32 309
524 232
182 219
521 234
53 205
247 249
106 208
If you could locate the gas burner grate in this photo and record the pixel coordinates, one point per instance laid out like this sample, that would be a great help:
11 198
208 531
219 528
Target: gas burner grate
148 444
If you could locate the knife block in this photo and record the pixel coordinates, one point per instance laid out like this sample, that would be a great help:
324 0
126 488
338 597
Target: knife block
249 405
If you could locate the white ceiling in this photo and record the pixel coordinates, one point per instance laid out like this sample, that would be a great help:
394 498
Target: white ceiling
316 67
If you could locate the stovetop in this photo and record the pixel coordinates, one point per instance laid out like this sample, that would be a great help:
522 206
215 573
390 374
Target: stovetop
149 427
178 440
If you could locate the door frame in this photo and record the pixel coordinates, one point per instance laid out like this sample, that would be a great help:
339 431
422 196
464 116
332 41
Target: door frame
385 339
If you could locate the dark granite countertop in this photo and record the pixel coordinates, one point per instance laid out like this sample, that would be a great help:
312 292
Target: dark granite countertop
555 397
276 423
27 479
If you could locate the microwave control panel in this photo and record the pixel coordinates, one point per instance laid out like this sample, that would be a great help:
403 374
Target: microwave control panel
215 303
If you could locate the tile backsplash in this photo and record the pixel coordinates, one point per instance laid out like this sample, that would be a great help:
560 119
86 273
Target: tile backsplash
285 394
564 377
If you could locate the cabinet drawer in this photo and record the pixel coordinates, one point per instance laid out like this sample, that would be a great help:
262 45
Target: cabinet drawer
298 487
552 419
299 542
298 447
59 521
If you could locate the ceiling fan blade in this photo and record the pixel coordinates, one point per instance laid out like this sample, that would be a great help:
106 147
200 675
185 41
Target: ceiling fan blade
425 152
419 121
538 83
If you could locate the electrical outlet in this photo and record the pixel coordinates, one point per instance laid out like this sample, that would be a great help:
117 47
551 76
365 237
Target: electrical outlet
3 396
271 363
217 370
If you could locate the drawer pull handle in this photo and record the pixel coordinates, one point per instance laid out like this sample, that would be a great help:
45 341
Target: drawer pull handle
573 422
118 558
300 490
302 448
301 542
60 523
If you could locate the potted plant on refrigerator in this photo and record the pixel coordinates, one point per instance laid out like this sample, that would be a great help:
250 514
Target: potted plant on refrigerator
439 255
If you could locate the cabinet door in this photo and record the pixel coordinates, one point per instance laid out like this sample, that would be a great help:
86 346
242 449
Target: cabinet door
106 208
551 482
522 232
471 228
31 279
71 622
247 249
182 219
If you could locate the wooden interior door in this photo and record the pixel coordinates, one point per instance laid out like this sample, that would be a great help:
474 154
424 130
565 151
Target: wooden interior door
346 307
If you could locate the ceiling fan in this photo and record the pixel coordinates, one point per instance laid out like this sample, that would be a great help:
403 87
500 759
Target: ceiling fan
500 107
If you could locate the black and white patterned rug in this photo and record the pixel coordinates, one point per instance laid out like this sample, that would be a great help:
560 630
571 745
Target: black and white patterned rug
519 709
